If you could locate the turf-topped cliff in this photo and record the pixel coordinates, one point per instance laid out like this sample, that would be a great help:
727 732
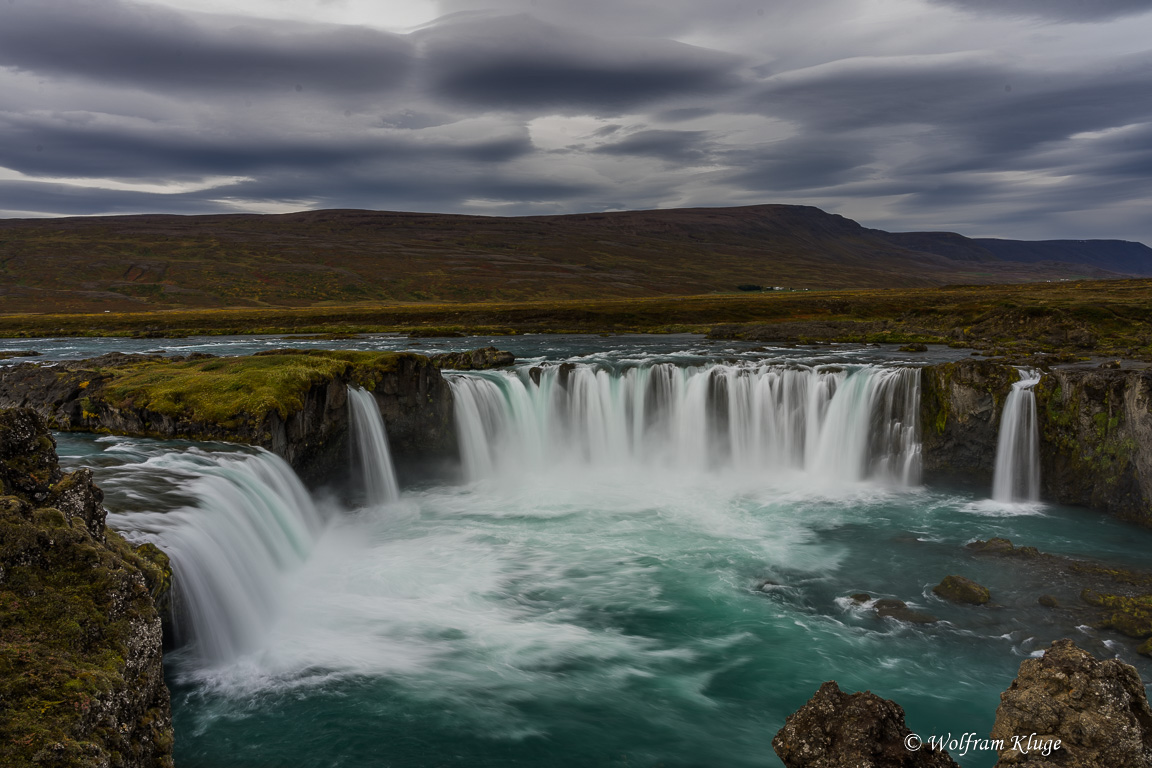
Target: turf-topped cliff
81 676
291 402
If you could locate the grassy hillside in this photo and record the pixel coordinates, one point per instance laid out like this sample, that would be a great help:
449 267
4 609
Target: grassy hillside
312 259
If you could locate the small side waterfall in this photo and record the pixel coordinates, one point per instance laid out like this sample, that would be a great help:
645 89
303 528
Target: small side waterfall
371 456
252 521
1017 475
841 424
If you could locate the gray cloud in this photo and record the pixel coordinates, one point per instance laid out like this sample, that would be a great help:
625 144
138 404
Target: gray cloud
520 63
1060 10
146 46
1016 124
673 146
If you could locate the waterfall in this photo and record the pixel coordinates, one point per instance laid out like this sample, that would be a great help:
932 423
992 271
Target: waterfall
251 522
1017 475
371 457
837 423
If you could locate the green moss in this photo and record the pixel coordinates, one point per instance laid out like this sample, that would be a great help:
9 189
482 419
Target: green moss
231 390
64 633
1130 615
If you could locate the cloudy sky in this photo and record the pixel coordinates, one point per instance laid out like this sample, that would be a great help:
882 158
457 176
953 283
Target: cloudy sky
1012 118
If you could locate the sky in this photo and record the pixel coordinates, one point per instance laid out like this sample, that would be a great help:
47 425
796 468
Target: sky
1027 119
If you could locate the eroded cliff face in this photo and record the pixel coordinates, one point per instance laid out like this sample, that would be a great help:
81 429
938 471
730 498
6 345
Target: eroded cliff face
306 424
1096 439
960 407
1095 431
81 673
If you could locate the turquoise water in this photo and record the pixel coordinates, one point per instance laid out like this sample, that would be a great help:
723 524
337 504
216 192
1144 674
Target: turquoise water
604 614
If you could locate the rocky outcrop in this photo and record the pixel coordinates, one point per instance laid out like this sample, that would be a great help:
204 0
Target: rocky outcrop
305 420
860 730
959 589
1096 710
1096 439
960 407
475 360
1064 710
1095 431
81 675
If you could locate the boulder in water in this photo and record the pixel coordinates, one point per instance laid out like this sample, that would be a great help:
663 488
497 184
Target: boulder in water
959 589
889 608
860 730
1097 710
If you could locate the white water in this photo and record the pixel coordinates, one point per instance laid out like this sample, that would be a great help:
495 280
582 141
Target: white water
372 459
837 425
1017 474
252 523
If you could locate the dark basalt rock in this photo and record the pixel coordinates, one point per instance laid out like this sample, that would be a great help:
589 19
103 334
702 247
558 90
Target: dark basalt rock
860 730
889 608
1097 709
1095 430
81 672
28 466
959 589
474 360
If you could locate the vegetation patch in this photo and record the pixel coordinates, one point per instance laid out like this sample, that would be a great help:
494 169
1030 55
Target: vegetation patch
230 390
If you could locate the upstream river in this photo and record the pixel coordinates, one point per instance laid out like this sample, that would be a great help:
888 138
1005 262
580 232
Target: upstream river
645 560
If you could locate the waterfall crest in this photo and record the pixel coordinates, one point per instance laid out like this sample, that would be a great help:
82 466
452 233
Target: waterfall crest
837 423
1017 474
252 521
372 460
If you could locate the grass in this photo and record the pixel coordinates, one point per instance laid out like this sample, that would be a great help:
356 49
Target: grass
227 391
1106 316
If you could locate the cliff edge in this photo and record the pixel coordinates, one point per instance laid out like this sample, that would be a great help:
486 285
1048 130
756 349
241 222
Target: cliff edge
81 673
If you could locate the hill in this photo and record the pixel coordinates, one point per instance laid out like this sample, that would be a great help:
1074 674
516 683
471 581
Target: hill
317 258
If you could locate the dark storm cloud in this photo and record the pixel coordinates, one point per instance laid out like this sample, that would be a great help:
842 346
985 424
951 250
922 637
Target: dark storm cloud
146 46
520 63
673 146
800 162
78 148
1059 10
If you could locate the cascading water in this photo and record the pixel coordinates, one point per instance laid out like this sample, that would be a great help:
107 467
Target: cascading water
252 522
836 423
371 456
1017 474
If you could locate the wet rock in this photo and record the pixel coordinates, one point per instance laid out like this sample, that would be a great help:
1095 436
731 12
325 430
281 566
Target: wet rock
993 546
916 347
998 546
1096 709
474 360
889 608
959 589
1110 365
534 374
563 373
861 597
1048 601
860 730
1129 614
19 353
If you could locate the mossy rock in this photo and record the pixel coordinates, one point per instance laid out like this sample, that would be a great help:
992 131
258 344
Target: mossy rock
959 589
1131 616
